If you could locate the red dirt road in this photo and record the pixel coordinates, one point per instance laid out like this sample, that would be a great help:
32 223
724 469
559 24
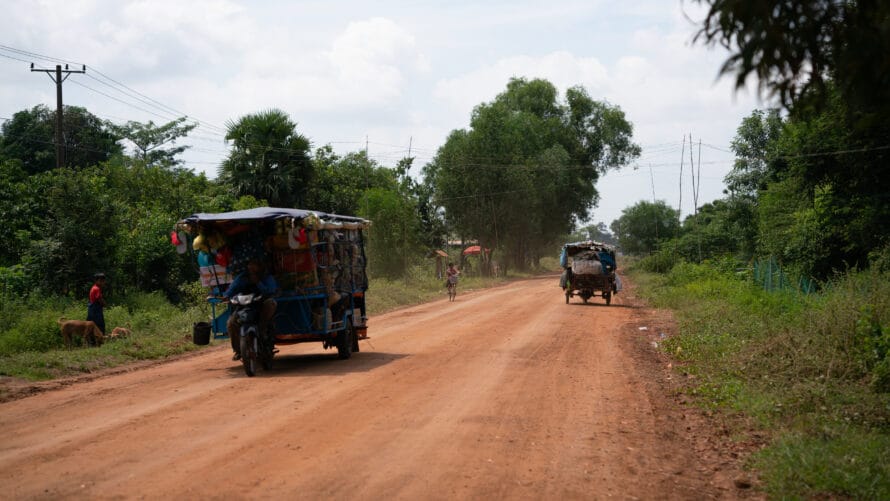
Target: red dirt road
505 393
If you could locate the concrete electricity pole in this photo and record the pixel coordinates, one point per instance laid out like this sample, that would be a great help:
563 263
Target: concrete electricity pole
56 76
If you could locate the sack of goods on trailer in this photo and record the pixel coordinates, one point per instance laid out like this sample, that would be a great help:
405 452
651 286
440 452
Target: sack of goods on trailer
587 263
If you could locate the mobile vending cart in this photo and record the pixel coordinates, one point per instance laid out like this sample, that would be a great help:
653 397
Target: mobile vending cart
317 259
591 271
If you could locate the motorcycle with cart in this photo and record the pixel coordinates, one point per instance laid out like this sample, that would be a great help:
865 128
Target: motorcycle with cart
589 271
317 259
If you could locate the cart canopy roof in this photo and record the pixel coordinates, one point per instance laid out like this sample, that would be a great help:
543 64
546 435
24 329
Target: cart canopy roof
575 247
267 214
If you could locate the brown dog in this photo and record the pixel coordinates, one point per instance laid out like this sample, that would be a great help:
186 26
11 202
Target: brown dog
85 329
120 332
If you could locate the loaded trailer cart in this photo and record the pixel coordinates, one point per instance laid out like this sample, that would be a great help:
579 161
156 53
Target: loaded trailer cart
589 271
317 260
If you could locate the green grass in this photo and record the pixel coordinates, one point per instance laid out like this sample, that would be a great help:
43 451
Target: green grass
810 370
32 348
843 462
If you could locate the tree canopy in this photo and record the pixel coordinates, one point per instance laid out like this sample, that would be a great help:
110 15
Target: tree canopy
149 139
810 188
525 171
794 47
644 225
269 160
29 137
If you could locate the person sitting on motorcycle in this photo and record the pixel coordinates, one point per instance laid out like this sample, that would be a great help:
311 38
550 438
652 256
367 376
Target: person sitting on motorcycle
255 280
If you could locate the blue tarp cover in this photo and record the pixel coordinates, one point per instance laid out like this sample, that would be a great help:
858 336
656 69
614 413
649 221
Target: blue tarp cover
605 251
266 213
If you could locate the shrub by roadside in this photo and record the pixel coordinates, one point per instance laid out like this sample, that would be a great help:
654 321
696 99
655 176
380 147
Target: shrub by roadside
32 348
812 369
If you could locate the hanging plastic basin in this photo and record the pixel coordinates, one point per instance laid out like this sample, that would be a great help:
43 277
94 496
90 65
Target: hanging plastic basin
201 333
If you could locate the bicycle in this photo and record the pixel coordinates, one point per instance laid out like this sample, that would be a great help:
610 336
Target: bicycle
452 288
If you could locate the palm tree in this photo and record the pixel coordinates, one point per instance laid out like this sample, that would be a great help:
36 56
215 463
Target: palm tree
269 159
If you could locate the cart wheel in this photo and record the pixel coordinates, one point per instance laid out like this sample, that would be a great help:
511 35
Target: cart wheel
355 347
608 297
344 341
568 295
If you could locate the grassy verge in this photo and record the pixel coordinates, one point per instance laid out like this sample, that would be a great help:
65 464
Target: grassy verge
31 347
811 370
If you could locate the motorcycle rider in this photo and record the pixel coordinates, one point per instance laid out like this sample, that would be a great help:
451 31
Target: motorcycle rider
256 279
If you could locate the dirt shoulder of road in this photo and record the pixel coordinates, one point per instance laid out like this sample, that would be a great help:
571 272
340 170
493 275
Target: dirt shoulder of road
12 388
724 443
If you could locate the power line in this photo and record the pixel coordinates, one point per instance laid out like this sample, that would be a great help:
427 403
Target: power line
11 57
129 92
121 101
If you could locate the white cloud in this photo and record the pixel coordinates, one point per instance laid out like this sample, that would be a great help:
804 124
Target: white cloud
561 68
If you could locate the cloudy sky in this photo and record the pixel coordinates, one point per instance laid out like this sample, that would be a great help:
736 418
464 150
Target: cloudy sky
385 74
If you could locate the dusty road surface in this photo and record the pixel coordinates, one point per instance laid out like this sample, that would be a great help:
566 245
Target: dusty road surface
506 393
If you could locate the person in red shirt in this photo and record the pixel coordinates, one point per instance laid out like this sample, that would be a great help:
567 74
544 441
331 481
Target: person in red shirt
95 312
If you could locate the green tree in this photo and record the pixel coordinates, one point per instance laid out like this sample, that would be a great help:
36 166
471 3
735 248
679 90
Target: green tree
431 225
339 182
525 171
724 227
598 232
644 225
392 238
826 61
794 46
269 159
839 213
24 210
29 137
149 140
756 148
76 239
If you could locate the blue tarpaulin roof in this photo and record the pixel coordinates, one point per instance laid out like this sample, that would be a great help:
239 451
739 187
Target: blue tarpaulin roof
266 213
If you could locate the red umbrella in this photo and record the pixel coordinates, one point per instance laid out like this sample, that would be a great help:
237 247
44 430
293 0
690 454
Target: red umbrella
474 249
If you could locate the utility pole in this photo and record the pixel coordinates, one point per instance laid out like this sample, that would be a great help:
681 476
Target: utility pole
680 204
56 76
652 179
692 174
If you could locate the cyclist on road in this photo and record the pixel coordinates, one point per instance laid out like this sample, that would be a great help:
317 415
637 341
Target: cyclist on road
451 274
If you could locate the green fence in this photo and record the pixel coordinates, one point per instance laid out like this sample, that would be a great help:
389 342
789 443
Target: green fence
771 277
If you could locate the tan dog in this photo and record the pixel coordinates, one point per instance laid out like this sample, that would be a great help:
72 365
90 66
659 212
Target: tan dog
85 329
120 332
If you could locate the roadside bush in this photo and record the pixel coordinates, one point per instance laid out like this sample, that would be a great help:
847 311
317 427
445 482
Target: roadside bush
31 334
660 261
32 325
13 283
846 464
813 369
